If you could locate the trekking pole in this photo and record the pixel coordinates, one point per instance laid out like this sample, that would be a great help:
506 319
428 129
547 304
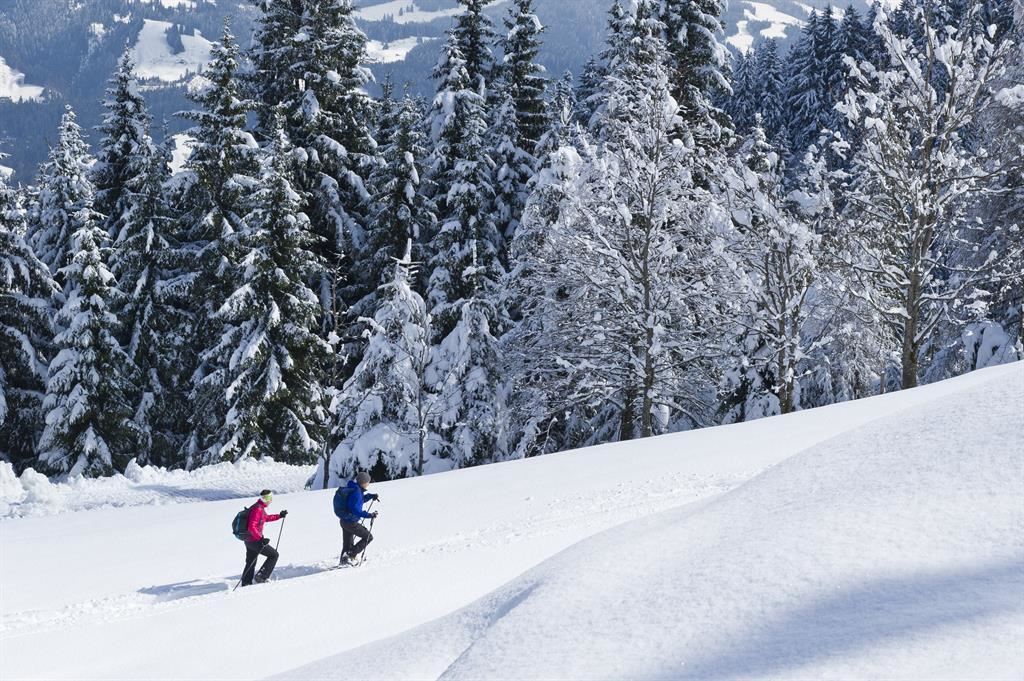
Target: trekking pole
280 532
247 566
362 557
341 557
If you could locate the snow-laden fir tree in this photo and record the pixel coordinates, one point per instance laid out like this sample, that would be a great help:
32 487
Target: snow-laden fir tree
911 251
697 61
592 95
772 90
385 413
269 358
523 75
152 274
465 375
771 262
514 167
26 291
744 103
402 211
329 121
215 194
66 197
276 43
89 428
464 251
123 134
623 267
474 34
562 119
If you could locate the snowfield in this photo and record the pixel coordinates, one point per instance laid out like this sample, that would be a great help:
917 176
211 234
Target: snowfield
154 58
882 538
14 87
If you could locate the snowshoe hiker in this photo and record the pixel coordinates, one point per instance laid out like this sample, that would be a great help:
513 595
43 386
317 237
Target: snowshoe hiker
348 506
257 544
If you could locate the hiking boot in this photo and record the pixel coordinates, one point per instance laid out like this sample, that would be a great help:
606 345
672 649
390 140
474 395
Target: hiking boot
259 579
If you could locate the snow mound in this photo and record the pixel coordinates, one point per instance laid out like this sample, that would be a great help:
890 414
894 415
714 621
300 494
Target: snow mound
892 551
32 494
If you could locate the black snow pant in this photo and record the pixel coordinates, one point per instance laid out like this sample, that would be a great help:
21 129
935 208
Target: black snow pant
253 549
348 532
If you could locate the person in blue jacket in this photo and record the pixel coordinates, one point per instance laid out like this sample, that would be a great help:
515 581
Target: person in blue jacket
348 506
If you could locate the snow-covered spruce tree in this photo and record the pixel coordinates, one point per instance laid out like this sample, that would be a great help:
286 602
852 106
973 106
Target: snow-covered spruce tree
150 266
123 134
911 250
523 76
269 357
1003 134
277 40
592 95
26 331
771 262
215 195
385 412
89 428
66 195
625 263
474 34
562 120
329 121
772 102
464 251
403 213
697 60
514 167
464 373
744 103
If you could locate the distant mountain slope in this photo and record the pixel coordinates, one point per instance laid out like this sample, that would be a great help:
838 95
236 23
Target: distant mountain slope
57 51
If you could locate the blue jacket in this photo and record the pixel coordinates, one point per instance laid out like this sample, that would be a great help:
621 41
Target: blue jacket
354 503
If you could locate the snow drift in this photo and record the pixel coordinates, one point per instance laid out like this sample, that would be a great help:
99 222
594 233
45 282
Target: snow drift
869 539
892 551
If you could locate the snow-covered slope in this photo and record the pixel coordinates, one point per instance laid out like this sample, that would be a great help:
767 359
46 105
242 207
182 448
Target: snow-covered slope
883 540
13 86
154 57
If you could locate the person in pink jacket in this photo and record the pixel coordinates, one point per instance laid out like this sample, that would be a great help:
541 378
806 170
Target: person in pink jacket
257 544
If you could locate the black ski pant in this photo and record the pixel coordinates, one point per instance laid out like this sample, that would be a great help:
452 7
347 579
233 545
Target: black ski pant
253 549
348 533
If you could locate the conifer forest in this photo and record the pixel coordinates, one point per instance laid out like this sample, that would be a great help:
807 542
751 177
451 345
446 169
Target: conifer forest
527 262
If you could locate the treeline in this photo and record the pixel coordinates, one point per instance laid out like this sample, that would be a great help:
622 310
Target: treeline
520 265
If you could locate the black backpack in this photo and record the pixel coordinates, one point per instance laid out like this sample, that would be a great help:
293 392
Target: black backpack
240 525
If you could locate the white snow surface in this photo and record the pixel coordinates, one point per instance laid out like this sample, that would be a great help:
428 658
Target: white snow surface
155 59
403 12
13 86
760 12
395 50
873 539
32 494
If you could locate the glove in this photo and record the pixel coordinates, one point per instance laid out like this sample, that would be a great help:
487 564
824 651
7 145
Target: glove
283 513
373 497
264 542
373 514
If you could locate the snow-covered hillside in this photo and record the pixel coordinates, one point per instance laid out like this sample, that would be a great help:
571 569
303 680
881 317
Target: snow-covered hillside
872 539
154 57
14 87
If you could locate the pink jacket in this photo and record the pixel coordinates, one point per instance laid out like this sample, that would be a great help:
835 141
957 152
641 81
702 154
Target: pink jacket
258 516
